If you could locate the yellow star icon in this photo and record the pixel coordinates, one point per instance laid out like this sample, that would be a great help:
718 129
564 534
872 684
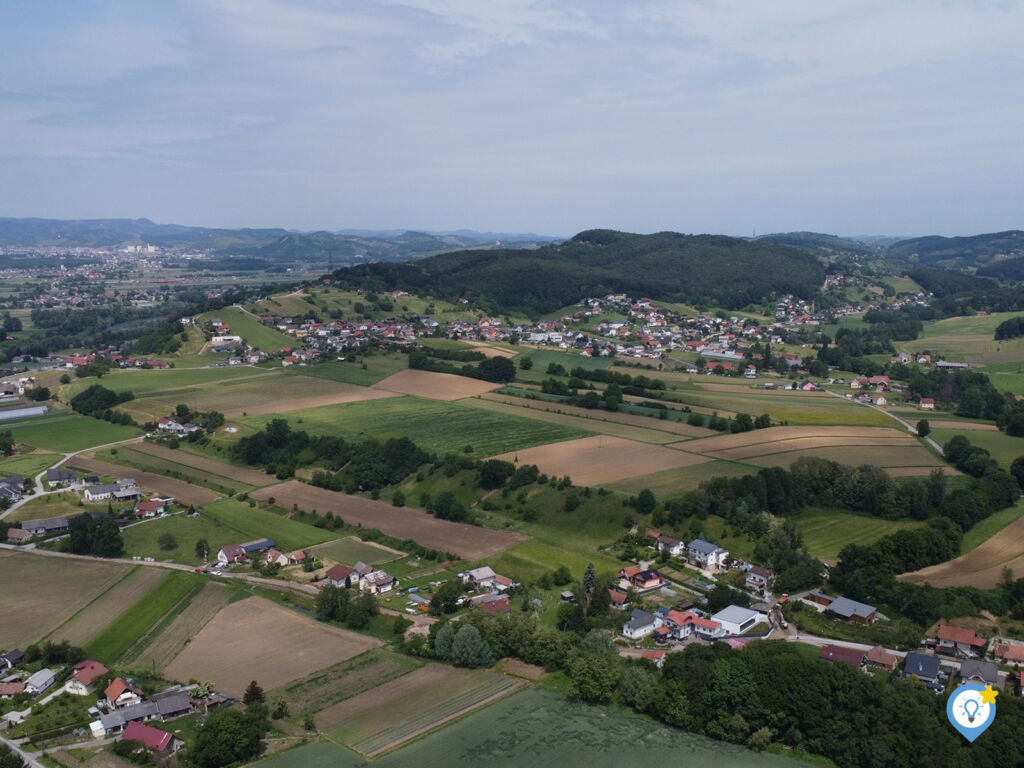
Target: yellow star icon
988 696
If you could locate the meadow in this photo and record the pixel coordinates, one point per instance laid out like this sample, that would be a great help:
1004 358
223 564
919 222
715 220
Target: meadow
53 505
143 382
990 526
351 551
73 433
255 523
1003 447
27 464
366 372
674 481
827 531
433 425
251 329
143 540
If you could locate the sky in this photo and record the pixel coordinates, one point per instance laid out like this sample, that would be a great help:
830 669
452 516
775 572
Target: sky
851 117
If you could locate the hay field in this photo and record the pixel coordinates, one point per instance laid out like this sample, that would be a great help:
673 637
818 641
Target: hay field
101 612
602 459
258 639
48 592
179 633
720 443
391 714
671 481
205 464
904 457
827 532
352 550
982 567
436 386
179 490
468 541
351 394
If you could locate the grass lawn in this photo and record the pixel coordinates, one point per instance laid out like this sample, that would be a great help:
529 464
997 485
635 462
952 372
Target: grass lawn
141 381
251 330
71 434
161 466
1003 447
140 619
433 425
826 532
28 464
53 505
255 523
351 550
142 540
378 368
671 482
990 526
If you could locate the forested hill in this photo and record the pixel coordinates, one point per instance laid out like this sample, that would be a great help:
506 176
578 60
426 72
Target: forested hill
959 252
707 269
828 246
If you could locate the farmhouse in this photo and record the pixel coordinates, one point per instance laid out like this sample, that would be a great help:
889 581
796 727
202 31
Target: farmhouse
851 610
115 721
640 624
122 490
341 576
85 675
838 654
735 620
927 404
17 535
161 742
706 555
956 641
11 488
232 553
174 702
272 556
59 477
39 682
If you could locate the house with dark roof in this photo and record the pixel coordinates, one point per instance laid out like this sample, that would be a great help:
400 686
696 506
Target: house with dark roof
758 578
706 555
923 668
838 654
640 624
981 672
161 742
851 610
11 659
259 545
59 477
45 526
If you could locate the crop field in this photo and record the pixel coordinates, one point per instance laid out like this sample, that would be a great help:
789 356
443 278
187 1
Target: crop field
435 386
433 425
146 462
179 490
963 426
28 464
378 367
491 350
1003 447
257 638
343 393
201 609
49 591
138 622
602 459
969 339
253 477
672 481
983 566
826 532
468 541
142 382
351 551
389 715
251 329
798 408
254 523
327 687
70 434
104 610
773 435
892 439
904 459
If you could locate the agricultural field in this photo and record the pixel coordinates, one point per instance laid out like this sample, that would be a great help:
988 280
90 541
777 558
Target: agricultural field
531 559
990 526
184 493
387 716
137 624
253 477
809 408
250 329
166 645
970 339
542 358
70 433
1003 447
95 617
541 728
143 540
351 550
433 425
216 475
49 591
378 367
435 386
255 523
671 481
257 638
28 464
467 541
826 532
983 566
904 460
142 382
52 505
327 687
602 459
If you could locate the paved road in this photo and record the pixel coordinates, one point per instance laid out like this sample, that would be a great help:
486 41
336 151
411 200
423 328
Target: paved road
910 428
29 760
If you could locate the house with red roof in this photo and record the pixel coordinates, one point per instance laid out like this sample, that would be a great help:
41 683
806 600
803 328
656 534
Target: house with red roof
232 553
161 742
150 508
956 641
927 404
657 657
1009 654
120 694
342 576
83 679
619 599
837 654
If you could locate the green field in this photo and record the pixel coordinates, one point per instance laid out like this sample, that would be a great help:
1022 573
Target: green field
543 357
53 505
161 466
351 551
141 381
541 728
788 407
990 526
72 433
1003 447
251 329
826 532
378 367
28 464
436 426
970 339
255 523
141 619
674 481
143 540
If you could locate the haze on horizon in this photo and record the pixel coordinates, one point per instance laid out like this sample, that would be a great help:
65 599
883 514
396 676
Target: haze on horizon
853 117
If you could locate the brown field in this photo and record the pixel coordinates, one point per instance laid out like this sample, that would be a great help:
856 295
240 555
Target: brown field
963 426
436 386
350 394
809 444
519 668
468 541
983 566
630 419
256 638
722 442
602 459
41 593
186 625
95 617
165 486
489 351
214 467
884 456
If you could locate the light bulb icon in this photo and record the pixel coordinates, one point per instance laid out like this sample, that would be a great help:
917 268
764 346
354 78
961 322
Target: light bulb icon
971 708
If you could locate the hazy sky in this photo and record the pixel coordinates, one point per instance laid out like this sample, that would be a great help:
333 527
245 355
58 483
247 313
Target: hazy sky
844 116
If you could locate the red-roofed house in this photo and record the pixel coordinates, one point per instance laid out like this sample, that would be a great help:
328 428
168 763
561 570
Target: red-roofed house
232 553
927 404
619 599
273 556
658 657
836 653
958 641
341 576
85 675
7 690
119 694
881 658
150 508
152 738
1010 654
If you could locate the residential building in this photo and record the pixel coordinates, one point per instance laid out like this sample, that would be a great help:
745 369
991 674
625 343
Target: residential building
120 694
60 477
706 555
956 641
640 625
1008 654
150 508
838 654
673 546
161 742
880 658
735 620
378 582
232 553
122 490
341 576
657 657
272 556
39 682
83 680
758 578
981 672
479 577
853 611
923 668
45 526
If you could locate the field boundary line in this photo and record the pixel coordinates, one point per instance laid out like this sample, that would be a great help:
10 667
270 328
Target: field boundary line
85 607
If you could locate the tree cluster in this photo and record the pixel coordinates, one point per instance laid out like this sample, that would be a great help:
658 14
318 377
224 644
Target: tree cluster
339 604
98 401
100 536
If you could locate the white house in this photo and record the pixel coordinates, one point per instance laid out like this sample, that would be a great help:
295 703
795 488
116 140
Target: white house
640 624
378 582
39 682
706 555
735 620
85 675
673 546
480 577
